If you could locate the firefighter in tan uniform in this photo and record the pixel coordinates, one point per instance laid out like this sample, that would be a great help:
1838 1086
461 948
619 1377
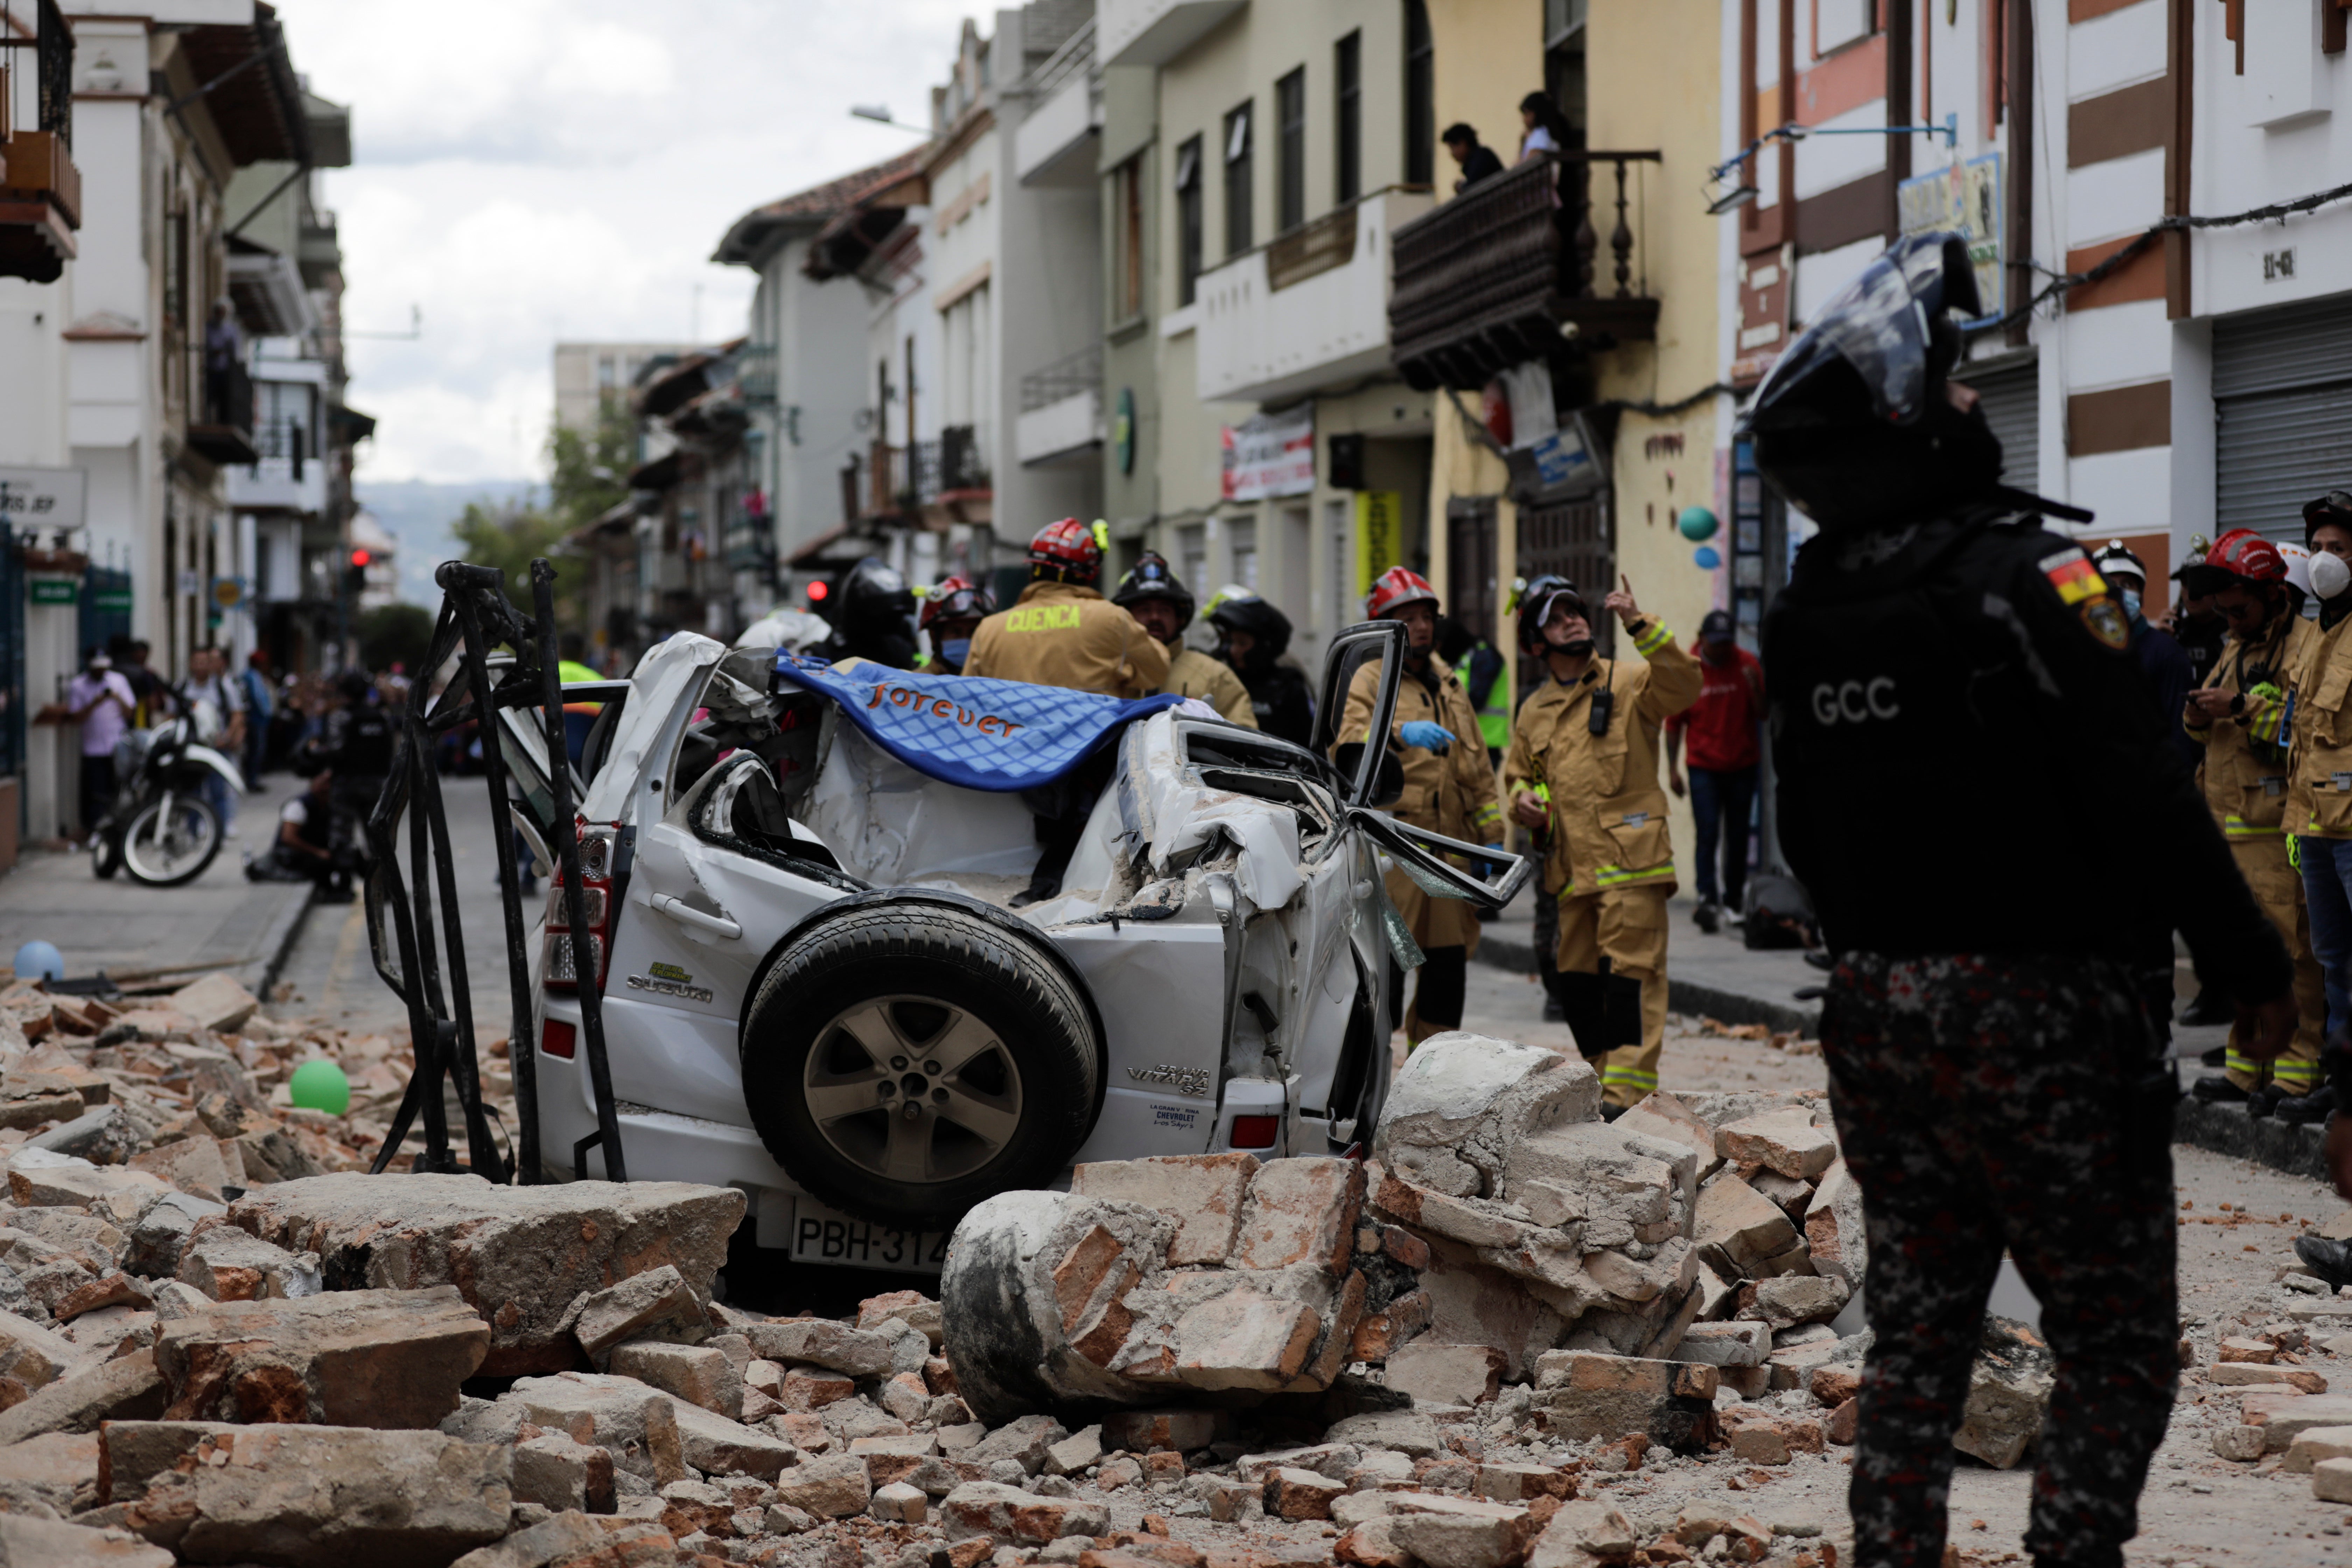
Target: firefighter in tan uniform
2319 797
1583 770
1449 788
1163 606
2238 715
1060 632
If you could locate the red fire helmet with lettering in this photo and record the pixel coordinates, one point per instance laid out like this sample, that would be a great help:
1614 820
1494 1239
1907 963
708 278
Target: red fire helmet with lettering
2243 552
955 598
1068 550
1397 586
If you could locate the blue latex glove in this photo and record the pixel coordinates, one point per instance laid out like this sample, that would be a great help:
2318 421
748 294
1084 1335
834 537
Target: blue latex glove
1429 736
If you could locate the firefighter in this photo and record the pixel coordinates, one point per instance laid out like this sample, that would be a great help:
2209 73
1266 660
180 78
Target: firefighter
2318 804
1061 632
870 612
1540 697
2238 715
1252 639
1151 594
1953 700
1449 788
1592 750
952 611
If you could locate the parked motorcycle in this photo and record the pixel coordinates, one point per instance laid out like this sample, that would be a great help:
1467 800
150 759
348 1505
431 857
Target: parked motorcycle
159 827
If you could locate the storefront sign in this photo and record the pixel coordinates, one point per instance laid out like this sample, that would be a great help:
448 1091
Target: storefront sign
53 590
1379 535
1964 199
41 498
1272 455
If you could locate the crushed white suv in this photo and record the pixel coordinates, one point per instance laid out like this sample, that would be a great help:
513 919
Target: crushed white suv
813 987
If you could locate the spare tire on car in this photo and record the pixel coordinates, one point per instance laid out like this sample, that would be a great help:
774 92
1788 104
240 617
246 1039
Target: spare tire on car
906 1056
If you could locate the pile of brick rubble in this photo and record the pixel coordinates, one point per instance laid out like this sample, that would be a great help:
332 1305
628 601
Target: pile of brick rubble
1446 1355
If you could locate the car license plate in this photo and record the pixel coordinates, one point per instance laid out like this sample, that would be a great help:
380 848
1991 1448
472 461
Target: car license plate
823 1234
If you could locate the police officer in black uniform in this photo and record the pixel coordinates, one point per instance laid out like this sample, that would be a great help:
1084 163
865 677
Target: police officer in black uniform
1252 636
873 617
355 740
1953 704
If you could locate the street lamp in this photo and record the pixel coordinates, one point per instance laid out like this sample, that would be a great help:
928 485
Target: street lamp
880 114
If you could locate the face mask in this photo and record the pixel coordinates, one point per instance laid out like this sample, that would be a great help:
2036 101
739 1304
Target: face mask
2329 574
2131 603
956 650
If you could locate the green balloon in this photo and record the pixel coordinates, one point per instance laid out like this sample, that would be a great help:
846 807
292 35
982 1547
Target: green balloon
321 1085
1698 523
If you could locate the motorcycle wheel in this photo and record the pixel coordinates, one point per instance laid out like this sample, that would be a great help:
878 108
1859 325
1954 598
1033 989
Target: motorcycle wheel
168 852
106 856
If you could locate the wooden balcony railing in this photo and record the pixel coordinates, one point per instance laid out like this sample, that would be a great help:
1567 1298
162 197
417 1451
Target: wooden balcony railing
1492 277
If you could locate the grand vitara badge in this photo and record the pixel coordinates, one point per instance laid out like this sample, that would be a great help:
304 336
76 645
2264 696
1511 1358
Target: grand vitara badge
1183 1080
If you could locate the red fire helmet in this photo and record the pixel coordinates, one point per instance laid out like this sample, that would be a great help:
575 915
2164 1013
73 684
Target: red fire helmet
2243 552
1068 549
1397 586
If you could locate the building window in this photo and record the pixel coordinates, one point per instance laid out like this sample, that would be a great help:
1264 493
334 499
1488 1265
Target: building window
1237 181
1192 552
1837 23
1189 226
1127 240
1347 86
1241 550
1290 121
1420 97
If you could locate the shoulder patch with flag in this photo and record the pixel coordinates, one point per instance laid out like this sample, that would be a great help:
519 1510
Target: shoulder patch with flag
2071 572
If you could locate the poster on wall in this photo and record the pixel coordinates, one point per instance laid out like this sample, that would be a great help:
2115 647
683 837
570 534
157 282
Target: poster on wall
1271 455
1379 535
1966 199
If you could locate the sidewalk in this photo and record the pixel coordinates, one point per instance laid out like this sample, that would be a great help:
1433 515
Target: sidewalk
220 920
1711 976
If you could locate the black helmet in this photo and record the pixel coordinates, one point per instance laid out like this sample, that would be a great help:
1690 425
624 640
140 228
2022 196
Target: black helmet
355 685
875 594
1852 425
1268 627
1153 579
1533 603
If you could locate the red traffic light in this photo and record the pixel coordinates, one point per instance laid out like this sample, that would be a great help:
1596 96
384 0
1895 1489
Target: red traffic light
359 557
817 591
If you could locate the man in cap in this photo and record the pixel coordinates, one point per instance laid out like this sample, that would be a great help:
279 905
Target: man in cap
1163 606
1583 771
1449 787
1725 728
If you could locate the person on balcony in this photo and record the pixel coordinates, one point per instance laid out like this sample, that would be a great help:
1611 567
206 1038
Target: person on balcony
1479 161
223 348
1545 128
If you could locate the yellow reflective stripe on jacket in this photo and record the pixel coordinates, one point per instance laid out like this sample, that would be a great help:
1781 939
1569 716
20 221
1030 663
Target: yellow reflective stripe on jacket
1618 877
2260 720
1632 1078
1486 817
2236 826
1652 640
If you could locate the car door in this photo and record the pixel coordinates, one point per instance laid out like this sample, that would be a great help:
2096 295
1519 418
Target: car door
1360 767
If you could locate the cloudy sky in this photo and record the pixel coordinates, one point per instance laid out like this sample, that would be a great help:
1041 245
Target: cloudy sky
530 170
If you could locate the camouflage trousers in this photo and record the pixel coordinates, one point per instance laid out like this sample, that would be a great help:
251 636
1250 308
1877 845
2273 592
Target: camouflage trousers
1992 1102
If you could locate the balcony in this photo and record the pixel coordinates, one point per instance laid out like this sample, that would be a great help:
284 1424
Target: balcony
1153 32
755 374
225 434
1061 411
286 475
1500 274
319 250
40 205
1054 145
1306 311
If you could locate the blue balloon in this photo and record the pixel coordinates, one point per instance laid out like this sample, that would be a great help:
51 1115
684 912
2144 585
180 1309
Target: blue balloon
39 960
1706 558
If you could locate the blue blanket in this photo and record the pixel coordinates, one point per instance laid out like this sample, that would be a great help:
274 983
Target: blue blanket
963 730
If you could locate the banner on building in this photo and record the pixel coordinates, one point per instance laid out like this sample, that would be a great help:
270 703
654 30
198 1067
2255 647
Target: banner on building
41 498
1272 455
1966 199
1379 535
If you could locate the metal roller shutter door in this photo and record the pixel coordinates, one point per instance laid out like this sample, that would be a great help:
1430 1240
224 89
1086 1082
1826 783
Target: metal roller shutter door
2282 410
2010 395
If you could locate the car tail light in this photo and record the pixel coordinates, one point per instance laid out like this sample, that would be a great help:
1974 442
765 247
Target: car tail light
558 1038
596 896
1257 1132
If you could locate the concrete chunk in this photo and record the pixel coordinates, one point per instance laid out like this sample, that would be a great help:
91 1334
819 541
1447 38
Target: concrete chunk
329 1496
1748 1226
656 1305
126 1388
357 1358
215 1002
1783 1141
227 1265
2009 1391
1833 1227
638 1425
29 1542
696 1374
830 1488
1017 1518
1301 1211
556 1472
521 1256
816 1342
1202 1192
1435 1374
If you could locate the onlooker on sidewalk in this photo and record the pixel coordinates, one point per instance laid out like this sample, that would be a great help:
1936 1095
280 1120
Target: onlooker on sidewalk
1479 161
100 701
306 850
260 706
2318 804
208 683
1725 730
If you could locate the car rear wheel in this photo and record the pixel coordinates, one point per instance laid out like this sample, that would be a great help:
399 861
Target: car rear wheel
903 1061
